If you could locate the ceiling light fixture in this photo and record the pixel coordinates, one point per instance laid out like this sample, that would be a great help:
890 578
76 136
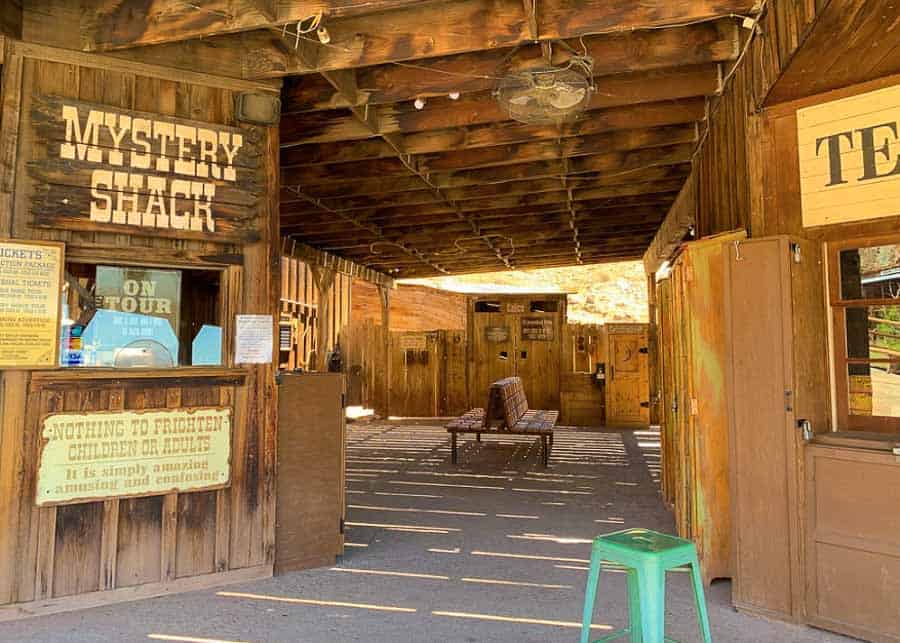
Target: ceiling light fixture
454 95
420 103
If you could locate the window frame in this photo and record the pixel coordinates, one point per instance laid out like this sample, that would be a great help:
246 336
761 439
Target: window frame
222 305
840 361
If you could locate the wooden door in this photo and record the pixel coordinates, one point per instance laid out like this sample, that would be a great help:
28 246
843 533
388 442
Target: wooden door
626 380
853 541
416 373
666 385
705 404
537 357
491 347
764 442
681 403
310 483
455 397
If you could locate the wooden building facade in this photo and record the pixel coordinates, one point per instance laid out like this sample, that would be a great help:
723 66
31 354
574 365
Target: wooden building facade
142 153
804 310
92 546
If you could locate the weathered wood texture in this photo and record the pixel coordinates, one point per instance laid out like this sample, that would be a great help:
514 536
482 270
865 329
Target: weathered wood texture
692 386
852 540
777 374
300 312
866 31
627 376
718 197
155 542
500 345
311 458
413 307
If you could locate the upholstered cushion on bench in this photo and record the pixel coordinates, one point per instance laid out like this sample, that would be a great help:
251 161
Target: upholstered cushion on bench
507 405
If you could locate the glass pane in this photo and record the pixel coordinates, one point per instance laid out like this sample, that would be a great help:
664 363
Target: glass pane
871 273
128 317
873 332
874 390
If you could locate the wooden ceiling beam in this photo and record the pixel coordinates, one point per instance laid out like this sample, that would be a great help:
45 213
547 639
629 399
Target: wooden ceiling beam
345 83
645 116
112 24
612 54
499 155
527 222
487 193
609 164
419 31
475 109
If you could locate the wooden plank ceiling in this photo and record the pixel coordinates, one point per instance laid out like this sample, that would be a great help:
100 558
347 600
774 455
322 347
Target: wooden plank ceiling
457 186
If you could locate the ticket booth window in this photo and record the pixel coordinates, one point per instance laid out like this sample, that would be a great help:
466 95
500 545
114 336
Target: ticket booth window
865 302
139 317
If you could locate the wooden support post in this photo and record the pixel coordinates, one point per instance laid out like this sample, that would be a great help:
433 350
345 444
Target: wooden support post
324 279
653 350
384 295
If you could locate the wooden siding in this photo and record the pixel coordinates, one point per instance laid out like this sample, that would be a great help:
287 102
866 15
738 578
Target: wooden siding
413 307
153 544
300 305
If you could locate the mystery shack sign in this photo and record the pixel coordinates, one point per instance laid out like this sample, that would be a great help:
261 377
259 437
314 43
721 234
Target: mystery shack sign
850 158
99 168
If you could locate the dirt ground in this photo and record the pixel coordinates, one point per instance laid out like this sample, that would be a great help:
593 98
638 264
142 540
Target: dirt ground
495 549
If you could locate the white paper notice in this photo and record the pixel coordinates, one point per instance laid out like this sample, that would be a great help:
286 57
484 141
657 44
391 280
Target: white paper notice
253 339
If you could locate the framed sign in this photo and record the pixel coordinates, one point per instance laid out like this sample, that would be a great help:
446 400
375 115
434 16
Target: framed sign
539 329
496 334
416 342
146 291
849 152
31 276
92 456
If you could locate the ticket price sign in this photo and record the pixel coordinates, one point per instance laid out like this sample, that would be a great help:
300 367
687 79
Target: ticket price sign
31 274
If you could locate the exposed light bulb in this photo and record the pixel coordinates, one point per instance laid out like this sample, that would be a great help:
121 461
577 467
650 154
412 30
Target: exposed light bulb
454 95
420 103
324 36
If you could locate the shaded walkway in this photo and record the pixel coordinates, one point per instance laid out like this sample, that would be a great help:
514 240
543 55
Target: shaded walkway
493 550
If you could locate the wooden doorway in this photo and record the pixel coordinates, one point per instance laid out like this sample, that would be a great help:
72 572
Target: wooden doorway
627 388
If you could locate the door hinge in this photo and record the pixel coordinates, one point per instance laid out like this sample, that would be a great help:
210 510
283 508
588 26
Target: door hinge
695 410
341 526
645 405
788 400
343 400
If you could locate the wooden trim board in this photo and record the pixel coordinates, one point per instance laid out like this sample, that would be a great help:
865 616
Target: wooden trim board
136 593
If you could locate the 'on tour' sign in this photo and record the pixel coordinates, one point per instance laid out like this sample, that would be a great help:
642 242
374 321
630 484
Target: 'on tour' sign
142 172
850 158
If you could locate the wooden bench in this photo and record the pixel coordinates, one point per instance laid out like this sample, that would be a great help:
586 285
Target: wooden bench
507 407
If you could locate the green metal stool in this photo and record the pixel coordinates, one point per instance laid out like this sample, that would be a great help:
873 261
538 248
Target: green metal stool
646 555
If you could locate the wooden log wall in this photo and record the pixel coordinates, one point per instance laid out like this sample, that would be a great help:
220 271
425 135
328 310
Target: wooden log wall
299 308
119 549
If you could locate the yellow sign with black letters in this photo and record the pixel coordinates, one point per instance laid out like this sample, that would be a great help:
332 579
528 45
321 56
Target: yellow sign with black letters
31 275
850 158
